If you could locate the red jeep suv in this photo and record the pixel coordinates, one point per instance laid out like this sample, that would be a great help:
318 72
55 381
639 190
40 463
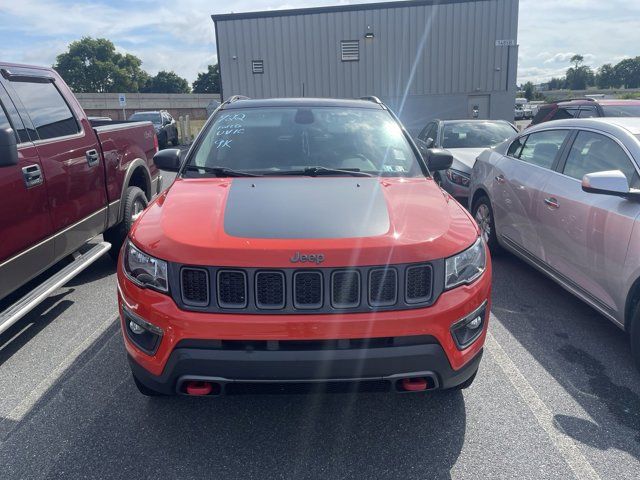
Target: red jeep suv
303 241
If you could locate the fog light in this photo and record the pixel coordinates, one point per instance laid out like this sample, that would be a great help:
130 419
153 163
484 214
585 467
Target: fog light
469 329
475 323
135 328
143 334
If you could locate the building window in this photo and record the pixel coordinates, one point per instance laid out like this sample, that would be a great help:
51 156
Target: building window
257 66
350 50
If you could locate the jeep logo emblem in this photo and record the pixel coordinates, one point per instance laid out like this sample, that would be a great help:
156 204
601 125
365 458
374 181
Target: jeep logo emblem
311 258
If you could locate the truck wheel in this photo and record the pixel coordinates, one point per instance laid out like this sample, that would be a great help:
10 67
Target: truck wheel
634 334
144 390
135 202
483 215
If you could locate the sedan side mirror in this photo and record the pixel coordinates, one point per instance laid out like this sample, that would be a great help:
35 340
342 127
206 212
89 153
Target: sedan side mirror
168 159
612 182
8 148
438 159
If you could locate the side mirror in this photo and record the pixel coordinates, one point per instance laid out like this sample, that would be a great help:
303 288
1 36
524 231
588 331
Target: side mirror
612 182
8 148
168 160
438 159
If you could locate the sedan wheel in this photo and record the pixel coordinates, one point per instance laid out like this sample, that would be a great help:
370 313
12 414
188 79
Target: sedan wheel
483 215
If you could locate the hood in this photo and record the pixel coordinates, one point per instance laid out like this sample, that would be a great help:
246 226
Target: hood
465 158
264 222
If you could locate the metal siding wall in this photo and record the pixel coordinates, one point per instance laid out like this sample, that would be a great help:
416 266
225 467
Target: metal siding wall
459 55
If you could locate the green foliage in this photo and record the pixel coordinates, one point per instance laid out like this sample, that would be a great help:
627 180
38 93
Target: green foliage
93 65
628 72
607 77
528 89
166 82
630 96
209 81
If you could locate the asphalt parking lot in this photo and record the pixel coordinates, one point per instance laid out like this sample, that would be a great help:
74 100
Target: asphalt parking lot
557 396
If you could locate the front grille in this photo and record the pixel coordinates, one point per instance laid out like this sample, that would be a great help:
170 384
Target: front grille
383 287
313 290
307 291
345 289
232 289
418 284
195 286
270 290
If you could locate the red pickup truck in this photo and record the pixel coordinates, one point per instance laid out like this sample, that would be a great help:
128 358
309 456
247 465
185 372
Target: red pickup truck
64 181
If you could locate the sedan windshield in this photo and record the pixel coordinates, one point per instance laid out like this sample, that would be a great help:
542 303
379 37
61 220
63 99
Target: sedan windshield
304 141
146 117
476 134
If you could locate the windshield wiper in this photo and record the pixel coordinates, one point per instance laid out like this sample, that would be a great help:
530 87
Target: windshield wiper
221 171
317 171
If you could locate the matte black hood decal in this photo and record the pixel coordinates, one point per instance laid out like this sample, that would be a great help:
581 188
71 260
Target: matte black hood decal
303 207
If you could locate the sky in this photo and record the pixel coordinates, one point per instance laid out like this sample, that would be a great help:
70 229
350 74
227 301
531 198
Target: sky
178 35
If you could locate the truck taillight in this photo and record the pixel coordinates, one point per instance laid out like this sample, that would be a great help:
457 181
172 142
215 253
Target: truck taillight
155 143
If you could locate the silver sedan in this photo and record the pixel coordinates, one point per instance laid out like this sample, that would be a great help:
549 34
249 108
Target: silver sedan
565 197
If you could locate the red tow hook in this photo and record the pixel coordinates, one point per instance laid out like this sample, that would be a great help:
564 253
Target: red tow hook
199 388
414 384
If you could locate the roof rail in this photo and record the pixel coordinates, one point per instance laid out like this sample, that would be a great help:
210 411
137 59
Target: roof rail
373 99
235 98
577 98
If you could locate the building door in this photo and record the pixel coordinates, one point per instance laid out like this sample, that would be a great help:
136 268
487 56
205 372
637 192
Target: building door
478 107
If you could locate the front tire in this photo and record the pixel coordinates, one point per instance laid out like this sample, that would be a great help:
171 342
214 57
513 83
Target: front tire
134 203
634 335
483 214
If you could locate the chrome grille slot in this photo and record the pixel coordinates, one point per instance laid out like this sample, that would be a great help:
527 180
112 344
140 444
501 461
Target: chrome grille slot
270 290
383 287
418 283
345 289
232 289
194 286
307 290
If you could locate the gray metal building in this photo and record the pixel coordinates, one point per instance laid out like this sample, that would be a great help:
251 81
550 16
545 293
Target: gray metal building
425 58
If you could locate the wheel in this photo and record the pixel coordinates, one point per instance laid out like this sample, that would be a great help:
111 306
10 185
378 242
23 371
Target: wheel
483 214
144 390
135 202
467 383
634 334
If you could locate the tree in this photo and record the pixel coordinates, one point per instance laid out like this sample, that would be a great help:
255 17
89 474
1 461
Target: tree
528 89
93 65
166 82
607 77
209 81
628 72
579 76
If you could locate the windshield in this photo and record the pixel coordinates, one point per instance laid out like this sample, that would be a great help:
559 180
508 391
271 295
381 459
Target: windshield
476 134
146 117
275 140
621 110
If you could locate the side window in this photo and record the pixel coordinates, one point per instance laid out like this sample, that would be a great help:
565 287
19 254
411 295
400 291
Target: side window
423 134
592 152
47 109
588 112
563 113
516 146
542 148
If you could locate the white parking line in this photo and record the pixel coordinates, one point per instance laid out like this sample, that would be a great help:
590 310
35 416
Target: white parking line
580 466
18 413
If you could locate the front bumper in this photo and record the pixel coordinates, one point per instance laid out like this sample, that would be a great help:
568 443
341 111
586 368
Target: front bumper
344 347
235 368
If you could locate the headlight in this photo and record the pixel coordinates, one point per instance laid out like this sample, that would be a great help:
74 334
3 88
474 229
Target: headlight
467 266
458 177
145 270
